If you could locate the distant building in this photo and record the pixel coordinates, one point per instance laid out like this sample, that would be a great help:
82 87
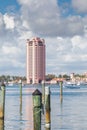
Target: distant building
35 60
85 74
56 80
72 75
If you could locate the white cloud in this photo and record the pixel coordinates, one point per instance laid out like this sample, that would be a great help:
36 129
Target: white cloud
80 5
26 2
65 37
12 59
11 50
44 18
1 20
9 21
67 54
80 43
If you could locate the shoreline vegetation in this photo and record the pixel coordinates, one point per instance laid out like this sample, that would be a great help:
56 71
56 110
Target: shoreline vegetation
49 78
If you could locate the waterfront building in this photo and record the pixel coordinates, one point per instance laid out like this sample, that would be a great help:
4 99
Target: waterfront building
72 77
35 60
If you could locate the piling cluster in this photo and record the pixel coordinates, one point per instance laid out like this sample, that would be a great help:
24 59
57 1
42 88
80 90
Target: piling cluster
41 101
2 103
41 105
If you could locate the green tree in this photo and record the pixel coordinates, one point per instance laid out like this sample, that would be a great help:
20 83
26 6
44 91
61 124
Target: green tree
49 77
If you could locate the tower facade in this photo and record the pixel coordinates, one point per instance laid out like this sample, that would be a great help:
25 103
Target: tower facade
35 60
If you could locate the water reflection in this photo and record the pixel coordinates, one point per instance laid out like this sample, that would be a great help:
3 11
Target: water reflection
29 111
61 111
21 105
21 110
61 100
1 124
67 112
47 129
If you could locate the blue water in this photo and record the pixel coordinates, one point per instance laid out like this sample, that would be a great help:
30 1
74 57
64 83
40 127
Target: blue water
70 113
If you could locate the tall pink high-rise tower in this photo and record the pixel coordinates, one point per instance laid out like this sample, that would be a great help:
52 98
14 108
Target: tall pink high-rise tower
35 60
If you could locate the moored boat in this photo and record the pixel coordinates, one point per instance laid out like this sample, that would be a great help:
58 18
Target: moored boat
71 85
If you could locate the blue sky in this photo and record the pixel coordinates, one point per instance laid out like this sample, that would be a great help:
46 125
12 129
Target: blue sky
63 25
9 5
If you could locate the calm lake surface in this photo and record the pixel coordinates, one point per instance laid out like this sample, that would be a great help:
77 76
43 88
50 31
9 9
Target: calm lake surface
68 114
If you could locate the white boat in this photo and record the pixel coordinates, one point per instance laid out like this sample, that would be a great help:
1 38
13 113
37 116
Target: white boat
10 83
71 85
84 83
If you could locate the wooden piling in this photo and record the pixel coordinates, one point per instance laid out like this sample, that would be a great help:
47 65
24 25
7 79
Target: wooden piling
43 95
61 90
1 124
37 102
2 100
47 109
43 91
20 85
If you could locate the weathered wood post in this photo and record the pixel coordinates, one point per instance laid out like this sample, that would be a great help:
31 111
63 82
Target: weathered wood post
1 124
47 109
43 91
37 102
2 101
61 90
43 95
20 85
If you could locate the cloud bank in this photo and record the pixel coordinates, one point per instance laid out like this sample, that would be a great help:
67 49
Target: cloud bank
65 36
